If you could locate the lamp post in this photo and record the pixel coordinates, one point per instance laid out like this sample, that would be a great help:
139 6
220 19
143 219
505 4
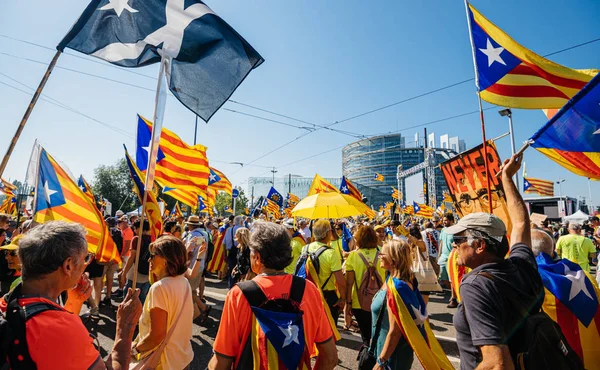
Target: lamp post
274 172
508 113
559 182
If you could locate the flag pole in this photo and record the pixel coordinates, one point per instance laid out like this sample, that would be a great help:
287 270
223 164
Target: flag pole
481 118
159 112
30 107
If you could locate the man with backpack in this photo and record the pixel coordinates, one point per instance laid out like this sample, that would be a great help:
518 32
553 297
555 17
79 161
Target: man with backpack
143 267
288 306
501 298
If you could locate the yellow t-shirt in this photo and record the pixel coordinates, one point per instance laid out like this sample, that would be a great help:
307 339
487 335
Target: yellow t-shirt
297 246
337 245
329 262
356 264
576 248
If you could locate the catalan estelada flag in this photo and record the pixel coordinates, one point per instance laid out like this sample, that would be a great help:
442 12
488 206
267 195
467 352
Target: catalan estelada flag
423 210
408 210
218 262
292 199
153 214
571 137
218 181
9 205
395 193
86 188
176 212
541 187
57 197
510 75
456 272
320 185
378 177
571 300
271 208
348 188
409 311
6 185
181 169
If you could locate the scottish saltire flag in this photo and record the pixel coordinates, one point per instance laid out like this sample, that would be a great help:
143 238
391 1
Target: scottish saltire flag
510 75
572 137
348 188
275 197
218 181
320 185
57 197
378 177
153 214
181 169
541 187
571 300
410 312
209 59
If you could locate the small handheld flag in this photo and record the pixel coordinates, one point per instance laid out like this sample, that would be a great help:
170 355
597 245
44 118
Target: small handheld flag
378 177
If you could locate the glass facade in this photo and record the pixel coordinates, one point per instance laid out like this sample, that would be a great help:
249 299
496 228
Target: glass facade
298 185
382 154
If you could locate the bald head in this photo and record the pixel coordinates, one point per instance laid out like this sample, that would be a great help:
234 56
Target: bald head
541 242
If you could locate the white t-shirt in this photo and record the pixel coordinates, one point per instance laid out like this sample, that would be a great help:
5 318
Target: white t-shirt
306 232
172 294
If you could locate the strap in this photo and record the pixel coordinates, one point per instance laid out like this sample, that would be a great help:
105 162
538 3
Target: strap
378 324
297 289
254 295
511 297
320 251
364 259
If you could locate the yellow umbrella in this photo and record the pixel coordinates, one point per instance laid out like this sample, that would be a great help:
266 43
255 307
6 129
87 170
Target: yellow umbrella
329 205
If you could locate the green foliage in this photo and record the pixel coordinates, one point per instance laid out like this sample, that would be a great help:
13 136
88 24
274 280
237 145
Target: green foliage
224 199
114 183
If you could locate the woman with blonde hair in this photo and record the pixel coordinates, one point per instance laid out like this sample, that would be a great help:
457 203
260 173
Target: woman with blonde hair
400 325
242 271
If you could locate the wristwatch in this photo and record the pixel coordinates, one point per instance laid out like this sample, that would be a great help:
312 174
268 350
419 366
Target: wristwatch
382 362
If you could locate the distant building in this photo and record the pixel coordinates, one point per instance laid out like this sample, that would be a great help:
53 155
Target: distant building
382 154
298 185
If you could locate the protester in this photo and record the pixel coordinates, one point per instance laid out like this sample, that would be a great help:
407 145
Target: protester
486 320
165 324
297 243
242 271
231 248
336 239
196 248
54 256
419 246
595 222
396 227
112 266
391 347
446 241
270 253
143 267
381 235
576 247
127 236
11 253
358 269
305 230
95 272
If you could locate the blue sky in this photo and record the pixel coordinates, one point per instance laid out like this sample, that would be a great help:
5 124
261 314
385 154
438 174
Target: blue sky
324 61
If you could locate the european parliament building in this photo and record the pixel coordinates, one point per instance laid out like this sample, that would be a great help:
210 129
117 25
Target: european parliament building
297 185
382 154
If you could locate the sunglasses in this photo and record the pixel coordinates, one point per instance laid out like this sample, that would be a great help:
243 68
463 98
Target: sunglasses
10 253
88 258
462 239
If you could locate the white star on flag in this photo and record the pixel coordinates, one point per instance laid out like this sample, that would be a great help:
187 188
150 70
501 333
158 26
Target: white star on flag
419 317
82 188
48 192
577 283
344 189
291 334
493 53
212 178
118 6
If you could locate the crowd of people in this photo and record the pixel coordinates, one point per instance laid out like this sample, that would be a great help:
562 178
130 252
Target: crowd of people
289 281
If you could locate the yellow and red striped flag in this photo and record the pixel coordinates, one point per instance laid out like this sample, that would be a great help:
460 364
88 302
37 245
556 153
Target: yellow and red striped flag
153 214
541 187
218 181
181 169
456 272
218 262
510 75
176 212
348 188
9 205
415 325
423 210
57 197
396 194
7 186
271 208
379 177
320 185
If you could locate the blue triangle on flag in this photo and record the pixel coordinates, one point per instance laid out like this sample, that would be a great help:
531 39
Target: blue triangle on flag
49 189
285 331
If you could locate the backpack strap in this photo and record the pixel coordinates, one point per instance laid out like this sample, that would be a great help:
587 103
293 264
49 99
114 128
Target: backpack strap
503 291
253 293
297 289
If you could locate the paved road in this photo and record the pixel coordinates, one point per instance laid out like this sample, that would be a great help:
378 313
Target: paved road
203 336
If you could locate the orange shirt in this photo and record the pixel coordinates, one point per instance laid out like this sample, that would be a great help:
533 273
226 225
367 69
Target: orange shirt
127 237
57 338
236 319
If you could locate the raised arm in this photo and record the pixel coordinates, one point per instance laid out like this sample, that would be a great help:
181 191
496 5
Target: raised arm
519 216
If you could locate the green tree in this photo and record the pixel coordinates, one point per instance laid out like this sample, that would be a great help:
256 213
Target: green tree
224 199
114 183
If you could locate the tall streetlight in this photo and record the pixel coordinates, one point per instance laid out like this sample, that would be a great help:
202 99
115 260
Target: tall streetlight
591 207
559 182
274 171
508 113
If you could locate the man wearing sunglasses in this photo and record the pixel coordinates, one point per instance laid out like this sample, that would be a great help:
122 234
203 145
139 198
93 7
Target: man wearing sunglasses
486 320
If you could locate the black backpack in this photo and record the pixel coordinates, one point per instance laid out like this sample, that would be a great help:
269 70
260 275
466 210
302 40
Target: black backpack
143 263
117 237
288 308
13 339
538 342
314 259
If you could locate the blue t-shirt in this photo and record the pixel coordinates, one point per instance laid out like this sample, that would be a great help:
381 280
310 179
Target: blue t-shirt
189 236
446 241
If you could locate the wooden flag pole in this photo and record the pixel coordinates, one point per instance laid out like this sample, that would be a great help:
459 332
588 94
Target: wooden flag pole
32 103
481 118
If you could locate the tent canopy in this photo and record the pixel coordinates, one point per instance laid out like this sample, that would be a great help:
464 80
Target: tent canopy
578 217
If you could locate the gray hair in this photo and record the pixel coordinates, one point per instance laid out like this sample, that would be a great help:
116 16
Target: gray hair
238 221
493 246
541 241
272 242
321 229
46 247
